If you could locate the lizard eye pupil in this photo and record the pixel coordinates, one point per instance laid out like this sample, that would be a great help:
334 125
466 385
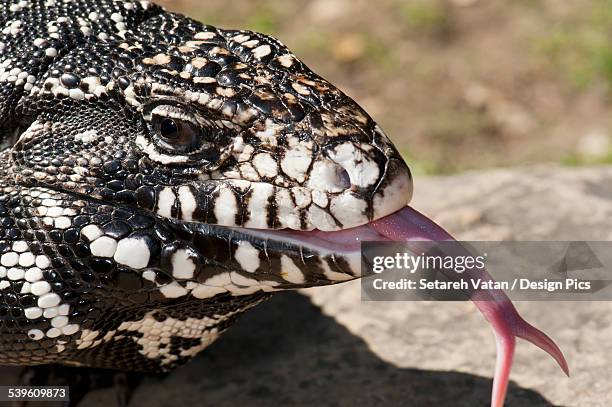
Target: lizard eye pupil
169 129
177 135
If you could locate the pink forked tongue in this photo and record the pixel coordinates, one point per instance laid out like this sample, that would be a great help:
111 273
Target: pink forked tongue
415 229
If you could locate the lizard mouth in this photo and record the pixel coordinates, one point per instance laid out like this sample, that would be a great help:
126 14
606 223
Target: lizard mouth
403 225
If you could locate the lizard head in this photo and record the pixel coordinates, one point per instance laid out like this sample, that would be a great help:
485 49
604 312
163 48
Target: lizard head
250 137
224 131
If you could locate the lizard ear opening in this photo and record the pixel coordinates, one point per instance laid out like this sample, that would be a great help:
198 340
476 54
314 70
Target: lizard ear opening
9 135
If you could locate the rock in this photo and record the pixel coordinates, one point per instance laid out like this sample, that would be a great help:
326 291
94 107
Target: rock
531 203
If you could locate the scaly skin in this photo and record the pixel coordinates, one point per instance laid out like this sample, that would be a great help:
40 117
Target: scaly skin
159 177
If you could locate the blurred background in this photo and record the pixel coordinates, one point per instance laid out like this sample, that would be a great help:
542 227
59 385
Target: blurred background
457 84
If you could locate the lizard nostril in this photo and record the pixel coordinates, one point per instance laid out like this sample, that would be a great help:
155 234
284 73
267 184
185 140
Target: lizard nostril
329 176
344 179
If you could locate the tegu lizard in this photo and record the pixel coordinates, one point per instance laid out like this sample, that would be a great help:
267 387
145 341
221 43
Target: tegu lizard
159 177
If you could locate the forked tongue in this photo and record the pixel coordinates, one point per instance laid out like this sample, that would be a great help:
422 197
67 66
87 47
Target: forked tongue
417 232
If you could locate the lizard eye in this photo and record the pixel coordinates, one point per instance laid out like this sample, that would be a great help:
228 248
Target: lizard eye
169 130
177 135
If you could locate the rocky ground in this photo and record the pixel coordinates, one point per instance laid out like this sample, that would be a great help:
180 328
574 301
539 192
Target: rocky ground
345 352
